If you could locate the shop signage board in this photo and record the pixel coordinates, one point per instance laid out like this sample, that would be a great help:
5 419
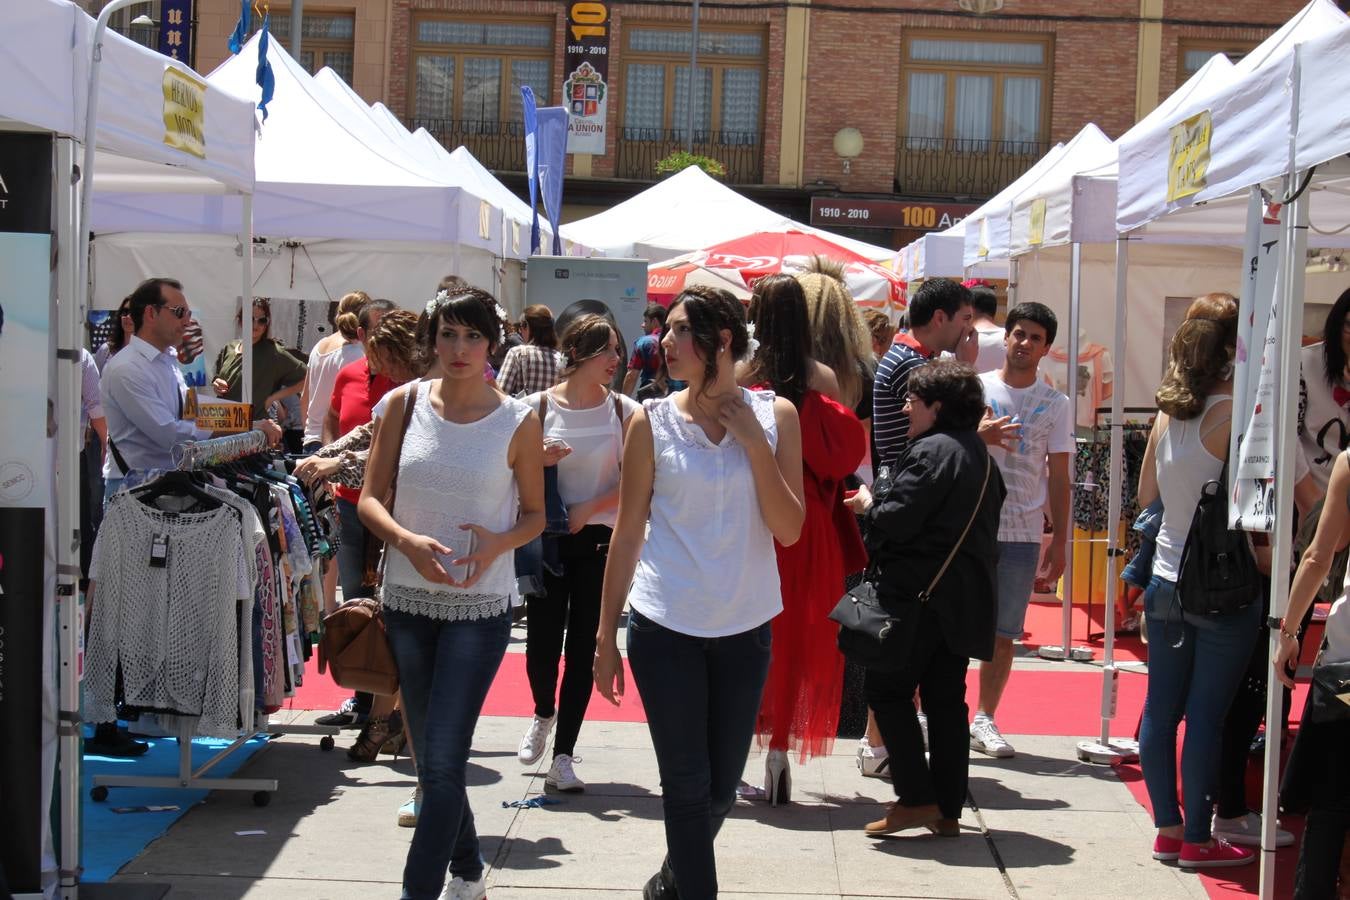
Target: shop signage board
586 83
25 491
175 29
859 213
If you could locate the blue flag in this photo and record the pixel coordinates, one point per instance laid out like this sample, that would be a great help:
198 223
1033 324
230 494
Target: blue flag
240 35
545 162
531 162
266 80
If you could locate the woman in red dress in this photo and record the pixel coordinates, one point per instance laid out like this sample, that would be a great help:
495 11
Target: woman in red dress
800 708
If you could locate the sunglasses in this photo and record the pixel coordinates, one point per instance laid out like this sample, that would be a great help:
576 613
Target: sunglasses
261 321
178 311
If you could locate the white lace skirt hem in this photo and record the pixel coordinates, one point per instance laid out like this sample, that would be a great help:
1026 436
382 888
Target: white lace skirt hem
442 605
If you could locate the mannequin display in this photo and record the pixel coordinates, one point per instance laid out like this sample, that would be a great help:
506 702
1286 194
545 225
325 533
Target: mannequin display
1096 377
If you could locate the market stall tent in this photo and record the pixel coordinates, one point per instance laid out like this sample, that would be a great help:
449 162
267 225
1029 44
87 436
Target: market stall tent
683 213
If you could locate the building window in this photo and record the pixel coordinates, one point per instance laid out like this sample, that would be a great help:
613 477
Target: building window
328 39
472 72
730 84
1192 55
965 94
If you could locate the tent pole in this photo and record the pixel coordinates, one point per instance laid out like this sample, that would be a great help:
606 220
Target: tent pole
1289 300
1105 751
69 312
1013 271
1065 649
246 293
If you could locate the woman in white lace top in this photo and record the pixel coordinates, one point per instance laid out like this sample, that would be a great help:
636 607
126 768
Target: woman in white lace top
718 470
467 455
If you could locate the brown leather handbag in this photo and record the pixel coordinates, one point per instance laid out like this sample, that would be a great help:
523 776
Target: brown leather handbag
354 641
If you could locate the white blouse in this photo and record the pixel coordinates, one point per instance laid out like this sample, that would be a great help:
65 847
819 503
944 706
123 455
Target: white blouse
596 438
708 568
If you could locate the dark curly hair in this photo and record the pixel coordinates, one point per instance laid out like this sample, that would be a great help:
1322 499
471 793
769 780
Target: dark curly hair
473 308
956 386
778 309
710 310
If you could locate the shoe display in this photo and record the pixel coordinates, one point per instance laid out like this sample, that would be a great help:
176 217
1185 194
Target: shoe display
459 889
560 776
777 778
370 740
899 818
1247 830
1216 855
534 742
873 762
1166 848
985 737
407 813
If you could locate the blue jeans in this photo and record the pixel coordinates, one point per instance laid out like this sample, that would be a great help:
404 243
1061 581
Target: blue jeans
1195 665
445 670
1017 563
351 552
702 697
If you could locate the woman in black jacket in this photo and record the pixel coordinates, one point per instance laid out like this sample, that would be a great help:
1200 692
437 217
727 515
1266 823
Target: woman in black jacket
942 483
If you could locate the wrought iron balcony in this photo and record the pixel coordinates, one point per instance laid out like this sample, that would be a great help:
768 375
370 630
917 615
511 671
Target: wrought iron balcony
497 145
740 152
962 168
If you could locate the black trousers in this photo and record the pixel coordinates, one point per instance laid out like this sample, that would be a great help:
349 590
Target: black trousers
561 627
1319 859
939 674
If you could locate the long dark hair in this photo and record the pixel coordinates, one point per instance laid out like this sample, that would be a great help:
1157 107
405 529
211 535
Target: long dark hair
710 310
1333 353
778 310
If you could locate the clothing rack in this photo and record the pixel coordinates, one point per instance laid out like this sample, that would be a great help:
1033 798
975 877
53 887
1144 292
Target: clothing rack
197 456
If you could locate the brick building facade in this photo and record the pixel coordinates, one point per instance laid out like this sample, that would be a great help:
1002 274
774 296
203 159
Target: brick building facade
950 105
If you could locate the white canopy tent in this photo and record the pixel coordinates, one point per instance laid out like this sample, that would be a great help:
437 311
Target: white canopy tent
342 203
688 211
940 254
46 69
1282 114
979 236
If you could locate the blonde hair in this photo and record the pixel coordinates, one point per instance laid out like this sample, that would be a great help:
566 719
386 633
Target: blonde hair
348 309
395 338
880 326
839 337
586 337
1201 355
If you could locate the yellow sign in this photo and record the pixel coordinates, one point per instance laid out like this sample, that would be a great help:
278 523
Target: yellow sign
982 249
1188 157
184 112
1037 227
224 416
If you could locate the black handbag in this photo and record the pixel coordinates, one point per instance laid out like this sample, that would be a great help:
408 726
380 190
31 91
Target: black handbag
1329 699
1218 574
877 634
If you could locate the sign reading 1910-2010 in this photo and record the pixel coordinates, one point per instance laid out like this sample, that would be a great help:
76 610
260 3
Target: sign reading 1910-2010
855 213
585 86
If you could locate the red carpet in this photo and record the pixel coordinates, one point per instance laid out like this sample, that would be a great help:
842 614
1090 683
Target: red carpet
1045 625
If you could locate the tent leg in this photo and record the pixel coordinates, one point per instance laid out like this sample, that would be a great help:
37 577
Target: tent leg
246 307
1104 750
1066 650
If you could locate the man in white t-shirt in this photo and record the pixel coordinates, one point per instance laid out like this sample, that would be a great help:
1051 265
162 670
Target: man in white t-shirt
1035 466
988 332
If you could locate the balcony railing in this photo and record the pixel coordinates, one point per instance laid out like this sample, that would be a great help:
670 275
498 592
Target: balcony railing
962 168
740 152
497 145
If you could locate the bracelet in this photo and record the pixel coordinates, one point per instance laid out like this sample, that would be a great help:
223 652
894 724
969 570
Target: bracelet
1284 633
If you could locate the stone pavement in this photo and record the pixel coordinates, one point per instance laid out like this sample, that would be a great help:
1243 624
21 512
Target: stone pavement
1043 825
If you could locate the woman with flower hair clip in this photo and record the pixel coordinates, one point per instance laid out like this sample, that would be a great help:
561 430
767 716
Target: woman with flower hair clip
470 489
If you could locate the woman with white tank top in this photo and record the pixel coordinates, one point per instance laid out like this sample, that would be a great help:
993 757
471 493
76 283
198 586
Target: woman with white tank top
470 490
718 471
1196 662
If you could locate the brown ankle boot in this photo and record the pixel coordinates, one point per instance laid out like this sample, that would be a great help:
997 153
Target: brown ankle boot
946 828
899 818
370 740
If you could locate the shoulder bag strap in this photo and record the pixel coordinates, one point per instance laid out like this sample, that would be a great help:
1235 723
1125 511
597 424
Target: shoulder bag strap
409 403
988 466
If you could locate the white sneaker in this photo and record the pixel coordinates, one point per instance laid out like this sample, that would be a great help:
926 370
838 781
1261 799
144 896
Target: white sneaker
923 727
560 776
535 740
873 762
459 889
985 737
1247 830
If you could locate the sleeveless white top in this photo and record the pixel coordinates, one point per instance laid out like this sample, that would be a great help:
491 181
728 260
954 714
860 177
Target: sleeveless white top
323 373
450 474
708 568
595 435
1184 466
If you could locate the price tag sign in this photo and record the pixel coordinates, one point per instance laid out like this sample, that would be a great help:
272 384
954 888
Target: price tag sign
1188 156
224 416
1037 227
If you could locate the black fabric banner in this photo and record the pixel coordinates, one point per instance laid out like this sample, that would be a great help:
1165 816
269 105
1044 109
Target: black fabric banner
21 637
26 182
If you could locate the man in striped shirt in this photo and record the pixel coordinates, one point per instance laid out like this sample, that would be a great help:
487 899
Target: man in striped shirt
941 319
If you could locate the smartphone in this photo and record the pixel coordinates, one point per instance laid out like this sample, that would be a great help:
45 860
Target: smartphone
551 443
461 544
